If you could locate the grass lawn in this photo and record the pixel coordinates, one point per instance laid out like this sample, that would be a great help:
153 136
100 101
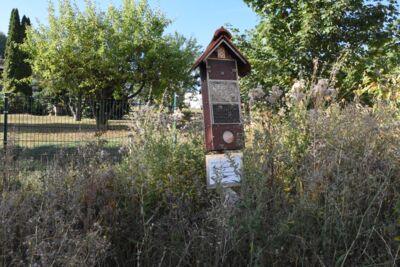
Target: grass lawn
29 131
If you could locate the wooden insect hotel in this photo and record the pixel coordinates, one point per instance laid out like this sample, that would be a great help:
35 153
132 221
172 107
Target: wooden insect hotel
220 66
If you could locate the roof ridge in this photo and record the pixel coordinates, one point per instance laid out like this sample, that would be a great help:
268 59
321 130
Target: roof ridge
222 32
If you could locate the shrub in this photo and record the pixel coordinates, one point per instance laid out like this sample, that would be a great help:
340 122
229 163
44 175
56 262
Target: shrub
320 187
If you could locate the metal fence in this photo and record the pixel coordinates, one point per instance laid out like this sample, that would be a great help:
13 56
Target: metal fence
36 123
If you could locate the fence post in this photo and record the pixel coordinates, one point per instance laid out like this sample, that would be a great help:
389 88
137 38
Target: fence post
5 114
174 107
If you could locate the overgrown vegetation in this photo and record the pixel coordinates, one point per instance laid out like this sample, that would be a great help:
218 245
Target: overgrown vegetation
320 188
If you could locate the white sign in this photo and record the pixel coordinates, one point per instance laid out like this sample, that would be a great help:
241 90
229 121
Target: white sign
224 169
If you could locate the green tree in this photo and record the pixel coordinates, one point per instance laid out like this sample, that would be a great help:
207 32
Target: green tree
17 70
382 81
120 53
319 39
25 67
3 40
171 72
12 71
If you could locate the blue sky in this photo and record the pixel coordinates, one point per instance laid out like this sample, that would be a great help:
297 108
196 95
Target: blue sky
197 18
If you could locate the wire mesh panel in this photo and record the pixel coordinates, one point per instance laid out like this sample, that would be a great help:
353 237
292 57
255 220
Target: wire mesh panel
44 122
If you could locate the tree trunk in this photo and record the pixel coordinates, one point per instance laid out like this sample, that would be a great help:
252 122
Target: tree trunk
55 110
75 106
101 115
78 115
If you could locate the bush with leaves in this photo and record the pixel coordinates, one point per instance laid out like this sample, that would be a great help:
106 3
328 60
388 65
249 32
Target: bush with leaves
320 188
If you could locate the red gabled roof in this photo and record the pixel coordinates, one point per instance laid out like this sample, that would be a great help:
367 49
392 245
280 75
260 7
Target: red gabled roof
220 36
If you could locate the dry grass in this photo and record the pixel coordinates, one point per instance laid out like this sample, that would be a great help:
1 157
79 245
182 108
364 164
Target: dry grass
320 188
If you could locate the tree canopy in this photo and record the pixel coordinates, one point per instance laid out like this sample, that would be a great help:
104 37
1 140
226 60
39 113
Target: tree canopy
25 85
121 52
344 41
12 72
3 40
16 68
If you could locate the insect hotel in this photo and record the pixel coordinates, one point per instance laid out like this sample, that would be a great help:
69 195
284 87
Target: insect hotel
220 67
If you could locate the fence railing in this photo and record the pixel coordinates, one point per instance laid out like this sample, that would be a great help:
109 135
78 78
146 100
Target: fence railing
37 122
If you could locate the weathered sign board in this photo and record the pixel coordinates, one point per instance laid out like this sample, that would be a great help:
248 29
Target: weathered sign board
220 67
224 169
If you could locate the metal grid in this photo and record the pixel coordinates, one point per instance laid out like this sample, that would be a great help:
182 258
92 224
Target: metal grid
29 122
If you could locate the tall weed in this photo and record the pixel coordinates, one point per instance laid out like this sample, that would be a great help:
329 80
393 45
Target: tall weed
320 188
